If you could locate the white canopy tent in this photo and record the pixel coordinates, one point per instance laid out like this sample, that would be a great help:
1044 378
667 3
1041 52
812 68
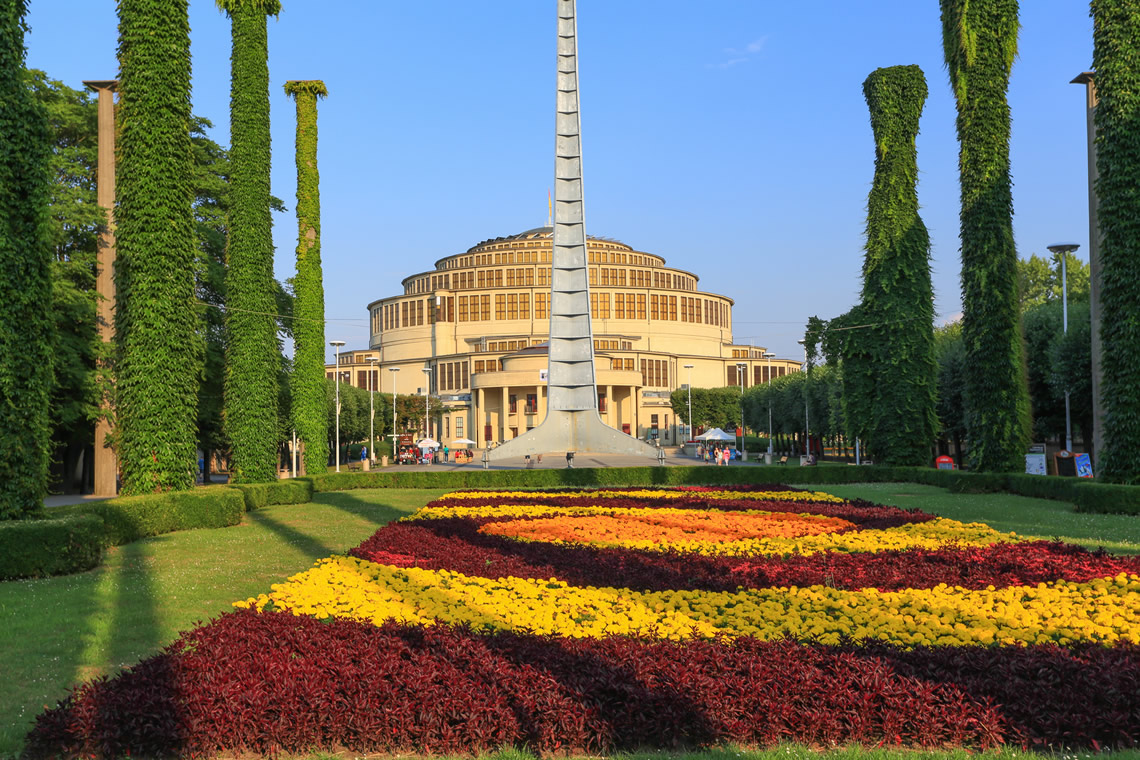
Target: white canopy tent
716 434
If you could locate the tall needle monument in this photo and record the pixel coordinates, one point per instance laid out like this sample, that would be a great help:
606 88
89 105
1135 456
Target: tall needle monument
572 421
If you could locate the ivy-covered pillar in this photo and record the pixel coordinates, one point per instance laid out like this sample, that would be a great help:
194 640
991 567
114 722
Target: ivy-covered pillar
896 278
26 334
308 379
979 39
253 356
157 322
1116 26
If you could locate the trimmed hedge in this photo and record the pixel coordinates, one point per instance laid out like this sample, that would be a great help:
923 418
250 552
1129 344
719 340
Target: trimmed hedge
257 495
57 546
129 518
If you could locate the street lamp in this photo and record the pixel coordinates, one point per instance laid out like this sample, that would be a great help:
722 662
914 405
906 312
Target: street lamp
427 398
740 367
690 388
807 427
336 344
768 355
394 370
1064 249
371 408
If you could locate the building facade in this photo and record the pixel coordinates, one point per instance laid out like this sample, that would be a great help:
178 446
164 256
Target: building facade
473 331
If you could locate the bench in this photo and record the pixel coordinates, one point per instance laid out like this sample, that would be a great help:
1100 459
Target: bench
783 460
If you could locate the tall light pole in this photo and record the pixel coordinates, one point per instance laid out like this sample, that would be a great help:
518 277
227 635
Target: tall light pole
1064 249
371 407
394 370
768 355
807 427
427 398
336 344
740 367
689 385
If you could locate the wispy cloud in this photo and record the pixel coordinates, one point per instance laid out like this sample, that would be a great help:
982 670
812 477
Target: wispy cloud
737 56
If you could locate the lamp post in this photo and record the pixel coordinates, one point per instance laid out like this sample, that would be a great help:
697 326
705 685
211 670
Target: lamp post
336 344
689 385
427 398
807 427
768 355
372 408
394 370
1064 249
740 367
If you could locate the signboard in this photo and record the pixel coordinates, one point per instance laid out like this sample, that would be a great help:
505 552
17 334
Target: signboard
542 375
1065 463
1035 464
1084 466
944 463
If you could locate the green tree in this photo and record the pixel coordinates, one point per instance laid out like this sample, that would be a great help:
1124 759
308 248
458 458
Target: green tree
980 43
1116 27
1039 280
896 277
158 327
26 335
75 221
308 381
252 356
950 354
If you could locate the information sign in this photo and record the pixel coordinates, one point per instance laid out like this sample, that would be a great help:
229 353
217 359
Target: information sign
1084 466
944 463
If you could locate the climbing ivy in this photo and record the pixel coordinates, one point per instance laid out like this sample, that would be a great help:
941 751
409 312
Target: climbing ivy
897 291
308 381
252 356
979 40
26 333
1116 25
159 343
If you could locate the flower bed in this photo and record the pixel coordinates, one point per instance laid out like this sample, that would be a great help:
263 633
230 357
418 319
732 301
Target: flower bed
591 621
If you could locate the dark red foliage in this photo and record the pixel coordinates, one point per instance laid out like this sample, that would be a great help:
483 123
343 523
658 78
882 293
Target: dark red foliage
864 514
456 544
271 682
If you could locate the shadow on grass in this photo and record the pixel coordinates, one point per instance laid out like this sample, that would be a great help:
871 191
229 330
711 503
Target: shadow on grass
303 541
376 512
134 630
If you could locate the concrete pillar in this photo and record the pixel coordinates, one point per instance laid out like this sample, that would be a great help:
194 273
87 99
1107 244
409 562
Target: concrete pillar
478 421
106 463
610 403
1087 79
504 416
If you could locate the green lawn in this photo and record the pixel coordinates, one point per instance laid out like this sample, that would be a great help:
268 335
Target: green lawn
61 631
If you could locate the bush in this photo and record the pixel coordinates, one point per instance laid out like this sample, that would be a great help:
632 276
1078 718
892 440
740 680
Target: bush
56 546
1105 497
129 518
259 495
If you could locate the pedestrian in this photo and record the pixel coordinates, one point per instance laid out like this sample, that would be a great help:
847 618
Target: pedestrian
446 453
540 458
363 453
570 460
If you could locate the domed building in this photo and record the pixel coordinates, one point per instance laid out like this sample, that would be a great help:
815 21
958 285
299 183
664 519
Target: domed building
473 331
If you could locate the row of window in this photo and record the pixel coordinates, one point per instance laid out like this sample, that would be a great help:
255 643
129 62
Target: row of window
477 308
452 376
655 373
759 374
540 256
527 277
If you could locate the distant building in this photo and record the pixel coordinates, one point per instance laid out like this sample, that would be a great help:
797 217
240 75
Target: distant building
479 321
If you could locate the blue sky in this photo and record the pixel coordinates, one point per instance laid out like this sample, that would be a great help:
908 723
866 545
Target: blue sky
730 136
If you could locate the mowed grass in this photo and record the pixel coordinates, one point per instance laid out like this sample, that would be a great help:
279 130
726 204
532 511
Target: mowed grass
1039 518
61 631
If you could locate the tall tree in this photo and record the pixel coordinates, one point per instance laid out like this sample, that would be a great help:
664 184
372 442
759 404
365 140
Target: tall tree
308 381
26 335
979 39
896 276
159 341
1116 27
252 357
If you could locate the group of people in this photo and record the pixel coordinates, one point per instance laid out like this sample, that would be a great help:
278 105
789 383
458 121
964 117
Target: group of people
714 453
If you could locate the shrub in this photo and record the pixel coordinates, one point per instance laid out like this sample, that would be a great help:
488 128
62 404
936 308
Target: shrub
56 546
130 518
257 495
1105 497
